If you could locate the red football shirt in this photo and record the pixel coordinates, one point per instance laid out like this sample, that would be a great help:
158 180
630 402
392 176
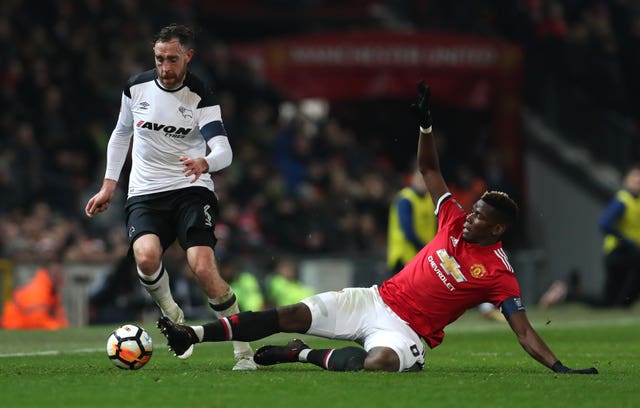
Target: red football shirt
447 277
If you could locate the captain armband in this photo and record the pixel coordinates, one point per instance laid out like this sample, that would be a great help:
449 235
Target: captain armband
511 305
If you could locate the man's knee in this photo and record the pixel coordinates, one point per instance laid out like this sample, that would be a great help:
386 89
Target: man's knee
294 318
347 359
147 252
382 359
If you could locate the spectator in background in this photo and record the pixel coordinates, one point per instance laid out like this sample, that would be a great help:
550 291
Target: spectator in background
38 304
283 286
620 221
34 233
412 223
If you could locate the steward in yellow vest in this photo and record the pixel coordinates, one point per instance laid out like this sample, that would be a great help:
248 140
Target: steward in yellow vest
620 221
412 223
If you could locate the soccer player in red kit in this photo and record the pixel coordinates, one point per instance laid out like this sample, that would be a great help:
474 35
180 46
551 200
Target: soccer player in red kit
461 267
464 271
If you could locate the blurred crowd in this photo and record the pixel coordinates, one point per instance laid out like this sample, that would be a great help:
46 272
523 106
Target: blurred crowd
303 180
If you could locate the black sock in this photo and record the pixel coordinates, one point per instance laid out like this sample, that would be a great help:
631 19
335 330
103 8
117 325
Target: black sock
343 359
244 326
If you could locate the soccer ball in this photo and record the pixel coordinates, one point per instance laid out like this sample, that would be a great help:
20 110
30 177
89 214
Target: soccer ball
129 347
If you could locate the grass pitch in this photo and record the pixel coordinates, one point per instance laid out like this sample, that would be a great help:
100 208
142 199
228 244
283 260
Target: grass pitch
480 364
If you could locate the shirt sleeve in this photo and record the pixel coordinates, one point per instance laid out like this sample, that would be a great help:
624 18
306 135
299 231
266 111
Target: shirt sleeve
221 154
448 210
120 140
214 127
214 133
609 217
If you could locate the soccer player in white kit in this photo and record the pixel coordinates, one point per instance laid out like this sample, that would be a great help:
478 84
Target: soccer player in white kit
172 118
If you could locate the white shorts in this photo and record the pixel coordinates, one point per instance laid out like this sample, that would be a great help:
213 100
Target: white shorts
360 315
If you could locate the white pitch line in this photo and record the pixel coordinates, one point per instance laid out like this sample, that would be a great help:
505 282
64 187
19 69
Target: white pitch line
50 352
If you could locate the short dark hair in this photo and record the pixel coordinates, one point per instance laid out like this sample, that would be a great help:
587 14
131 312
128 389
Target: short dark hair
184 34
506 209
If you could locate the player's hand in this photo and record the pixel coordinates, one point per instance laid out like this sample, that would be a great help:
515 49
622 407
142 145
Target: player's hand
422 107
560 368
100 202
194 167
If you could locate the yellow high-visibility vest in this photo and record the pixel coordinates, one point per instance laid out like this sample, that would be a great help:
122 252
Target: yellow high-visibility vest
399 249
628 224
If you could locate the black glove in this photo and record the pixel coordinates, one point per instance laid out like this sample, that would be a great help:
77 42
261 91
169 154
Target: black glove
560 368
422 107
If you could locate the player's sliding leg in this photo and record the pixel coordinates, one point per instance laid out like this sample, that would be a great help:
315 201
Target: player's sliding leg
289 353
342 359
244 326
181 338
254 326
227 305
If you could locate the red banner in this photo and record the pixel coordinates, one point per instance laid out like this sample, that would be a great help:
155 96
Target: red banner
464 71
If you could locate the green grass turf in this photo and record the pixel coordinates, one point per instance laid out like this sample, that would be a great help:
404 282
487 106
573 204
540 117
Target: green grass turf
480 364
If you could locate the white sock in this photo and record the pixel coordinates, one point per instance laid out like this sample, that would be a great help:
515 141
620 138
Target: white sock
224 299
302 357
240 348
199 330
159 288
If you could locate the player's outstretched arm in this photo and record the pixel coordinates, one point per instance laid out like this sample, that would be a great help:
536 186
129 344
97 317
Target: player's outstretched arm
537 348
428 161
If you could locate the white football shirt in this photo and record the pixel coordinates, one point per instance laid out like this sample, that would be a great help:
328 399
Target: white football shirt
165 125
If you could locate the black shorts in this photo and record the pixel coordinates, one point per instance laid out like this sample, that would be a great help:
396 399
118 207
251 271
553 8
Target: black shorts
188 214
